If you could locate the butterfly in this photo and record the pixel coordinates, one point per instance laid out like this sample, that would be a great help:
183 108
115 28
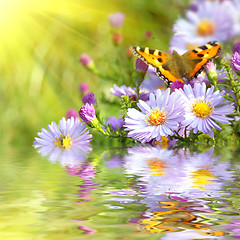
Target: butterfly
178 67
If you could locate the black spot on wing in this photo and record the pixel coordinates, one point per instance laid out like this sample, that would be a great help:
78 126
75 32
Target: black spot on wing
195 51
200 55
160 59
151 51
203 47
213 43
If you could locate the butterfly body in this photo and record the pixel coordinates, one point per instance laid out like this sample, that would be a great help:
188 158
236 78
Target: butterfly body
178 67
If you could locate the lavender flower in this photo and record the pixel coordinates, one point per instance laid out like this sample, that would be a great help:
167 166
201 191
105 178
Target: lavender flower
235 4
115 123
68 143
211 21
124 90
235 61
203 107
89 98
72 113
152 81
160 118
87 113
116 19
236 47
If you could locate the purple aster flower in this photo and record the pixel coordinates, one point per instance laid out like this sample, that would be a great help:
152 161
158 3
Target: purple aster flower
124 90
89 98
236 47
87 113
236 15
141 66
116 19
235 61
69 143
152 81
72 113
211 21
84 88
160 118
115 123
203 107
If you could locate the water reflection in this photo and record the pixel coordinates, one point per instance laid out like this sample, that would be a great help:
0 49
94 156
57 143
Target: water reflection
86 172
177 188
151 193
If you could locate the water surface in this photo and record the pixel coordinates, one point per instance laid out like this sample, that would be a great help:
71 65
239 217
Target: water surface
134 193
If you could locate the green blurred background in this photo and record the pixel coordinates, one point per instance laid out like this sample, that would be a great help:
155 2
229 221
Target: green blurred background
40 45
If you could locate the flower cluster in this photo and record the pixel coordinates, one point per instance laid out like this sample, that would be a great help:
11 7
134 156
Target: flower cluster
154 112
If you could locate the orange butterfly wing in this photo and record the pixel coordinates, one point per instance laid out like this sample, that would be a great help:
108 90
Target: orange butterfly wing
156 59
201 56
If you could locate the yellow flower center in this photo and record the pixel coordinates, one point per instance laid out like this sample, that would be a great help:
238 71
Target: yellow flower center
63 142
205 28
202 108
164 142
156 117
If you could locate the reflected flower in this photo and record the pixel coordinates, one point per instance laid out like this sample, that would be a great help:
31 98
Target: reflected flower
203 108
115 162
69 143
178 174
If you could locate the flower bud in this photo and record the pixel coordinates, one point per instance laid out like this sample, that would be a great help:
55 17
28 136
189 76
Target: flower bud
72 113
141 66
235 62
86 61
87 113
117 38
84 88
211 72
116 19
89 98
